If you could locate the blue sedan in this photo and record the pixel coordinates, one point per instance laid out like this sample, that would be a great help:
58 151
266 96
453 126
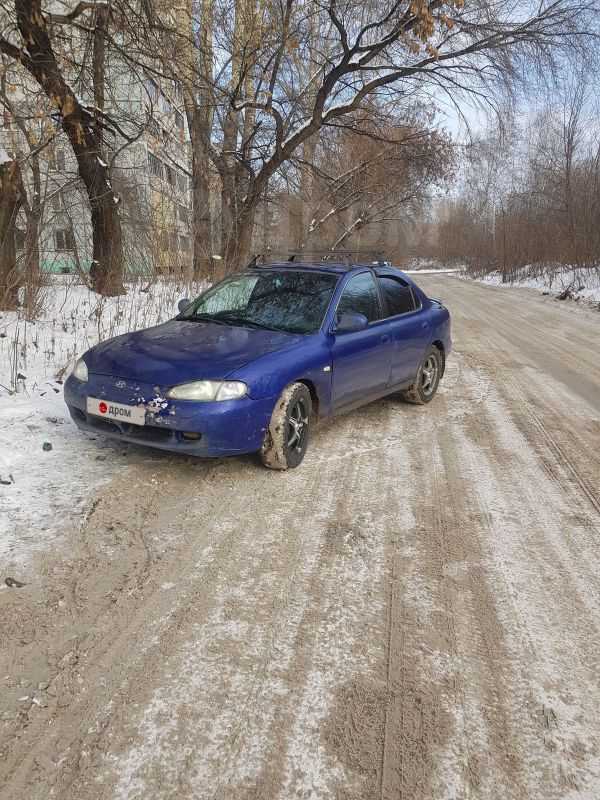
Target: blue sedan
257 359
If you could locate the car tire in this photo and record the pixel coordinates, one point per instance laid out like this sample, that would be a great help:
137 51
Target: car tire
427 380
287 437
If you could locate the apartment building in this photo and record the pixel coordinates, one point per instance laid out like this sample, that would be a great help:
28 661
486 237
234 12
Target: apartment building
150 177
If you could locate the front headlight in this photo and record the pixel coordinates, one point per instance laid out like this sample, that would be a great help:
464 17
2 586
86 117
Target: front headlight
80 370
206 391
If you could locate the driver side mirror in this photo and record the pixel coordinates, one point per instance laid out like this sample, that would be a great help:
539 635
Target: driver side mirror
350 321
183 304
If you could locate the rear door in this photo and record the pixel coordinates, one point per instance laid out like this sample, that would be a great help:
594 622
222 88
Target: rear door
361 359
410 327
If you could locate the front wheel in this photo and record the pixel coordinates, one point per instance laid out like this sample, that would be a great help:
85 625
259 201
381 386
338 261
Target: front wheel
428 377
286 439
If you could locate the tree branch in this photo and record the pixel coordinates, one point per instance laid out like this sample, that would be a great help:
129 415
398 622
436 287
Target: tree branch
83 5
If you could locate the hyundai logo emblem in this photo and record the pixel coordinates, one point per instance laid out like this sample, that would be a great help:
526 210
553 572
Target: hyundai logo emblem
121 384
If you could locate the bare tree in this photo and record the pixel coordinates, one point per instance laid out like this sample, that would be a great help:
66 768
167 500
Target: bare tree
11 194
384 50
194 70
374 178
533 199
35 51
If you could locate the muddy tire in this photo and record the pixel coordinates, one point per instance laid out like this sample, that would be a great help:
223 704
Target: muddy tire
428 377
287 437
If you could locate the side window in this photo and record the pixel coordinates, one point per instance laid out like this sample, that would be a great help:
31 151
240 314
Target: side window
360 295
398 296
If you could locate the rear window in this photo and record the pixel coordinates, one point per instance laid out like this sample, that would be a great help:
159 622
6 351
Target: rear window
398 295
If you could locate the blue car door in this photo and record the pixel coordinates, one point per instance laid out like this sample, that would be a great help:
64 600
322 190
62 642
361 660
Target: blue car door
411 327
361 359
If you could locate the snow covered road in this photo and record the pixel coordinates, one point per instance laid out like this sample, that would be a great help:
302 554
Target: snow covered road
412 614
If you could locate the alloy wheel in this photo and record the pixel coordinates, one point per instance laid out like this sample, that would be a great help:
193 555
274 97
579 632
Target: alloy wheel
297 427
429 375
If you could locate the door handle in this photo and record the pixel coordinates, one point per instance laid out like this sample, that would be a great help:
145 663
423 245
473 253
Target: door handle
384 338
425 325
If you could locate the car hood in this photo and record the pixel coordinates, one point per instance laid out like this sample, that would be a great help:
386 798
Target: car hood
179 351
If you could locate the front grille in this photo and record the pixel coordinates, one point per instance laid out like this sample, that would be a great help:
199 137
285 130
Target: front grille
102 424
142 433
147 433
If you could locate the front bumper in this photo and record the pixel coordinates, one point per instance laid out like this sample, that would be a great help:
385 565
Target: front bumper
227 427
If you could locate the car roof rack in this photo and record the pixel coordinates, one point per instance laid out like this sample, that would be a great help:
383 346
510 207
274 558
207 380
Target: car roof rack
347 258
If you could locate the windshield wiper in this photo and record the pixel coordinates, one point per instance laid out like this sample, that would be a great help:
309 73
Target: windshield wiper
249 322
204 318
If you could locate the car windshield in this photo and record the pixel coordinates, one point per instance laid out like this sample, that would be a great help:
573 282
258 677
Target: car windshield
279 300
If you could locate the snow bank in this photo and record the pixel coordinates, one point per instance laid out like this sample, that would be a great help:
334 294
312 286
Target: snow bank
47 466
582 283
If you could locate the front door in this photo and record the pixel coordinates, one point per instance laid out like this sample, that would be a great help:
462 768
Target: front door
361 359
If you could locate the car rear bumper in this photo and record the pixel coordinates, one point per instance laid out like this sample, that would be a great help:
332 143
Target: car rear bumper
216 429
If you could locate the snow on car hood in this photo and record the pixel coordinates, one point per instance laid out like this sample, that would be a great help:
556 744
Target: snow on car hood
179 351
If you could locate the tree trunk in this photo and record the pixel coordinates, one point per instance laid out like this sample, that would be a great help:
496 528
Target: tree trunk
31 266
231 129
30 270
10 203
266 224
106 271
236 251
84 134
33 216
195 73
202 230
229 211
504 256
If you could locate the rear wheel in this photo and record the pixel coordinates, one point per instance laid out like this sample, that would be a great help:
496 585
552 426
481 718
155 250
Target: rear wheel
428 377
288 435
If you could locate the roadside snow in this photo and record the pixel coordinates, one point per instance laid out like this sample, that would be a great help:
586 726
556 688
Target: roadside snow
582 283
49 469
432 271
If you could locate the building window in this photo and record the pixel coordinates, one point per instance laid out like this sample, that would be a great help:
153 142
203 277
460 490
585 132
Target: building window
155 166
154 128
20 238
170 175
57 203
169 242
183 213
184 244
63 239
137 196
57 161
166 105
182 181
152 89
179 120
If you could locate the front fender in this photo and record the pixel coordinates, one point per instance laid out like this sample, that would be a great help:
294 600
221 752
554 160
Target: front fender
308 360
